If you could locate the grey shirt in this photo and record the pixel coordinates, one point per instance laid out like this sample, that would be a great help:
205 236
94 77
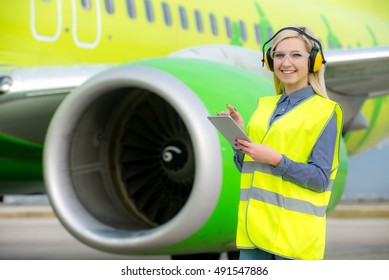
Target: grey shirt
313 175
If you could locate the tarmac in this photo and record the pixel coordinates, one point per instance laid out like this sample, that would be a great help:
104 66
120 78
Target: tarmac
355 231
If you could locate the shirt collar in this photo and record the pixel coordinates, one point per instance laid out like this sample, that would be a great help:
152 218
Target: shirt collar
297 96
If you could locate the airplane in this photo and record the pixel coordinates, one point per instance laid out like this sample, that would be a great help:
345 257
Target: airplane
104 105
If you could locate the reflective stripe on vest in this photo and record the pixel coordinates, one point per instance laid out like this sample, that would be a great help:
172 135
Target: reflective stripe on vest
277 215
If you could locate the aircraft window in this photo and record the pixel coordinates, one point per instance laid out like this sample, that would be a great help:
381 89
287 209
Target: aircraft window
149 11
86 4
257 32
213 21
199 21
131 12
166 14
269 31
243 32
183 17
109 6
228 26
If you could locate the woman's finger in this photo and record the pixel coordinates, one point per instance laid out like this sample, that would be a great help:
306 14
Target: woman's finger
231 108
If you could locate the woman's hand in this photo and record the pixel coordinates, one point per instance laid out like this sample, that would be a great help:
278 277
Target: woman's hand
235 115
259 152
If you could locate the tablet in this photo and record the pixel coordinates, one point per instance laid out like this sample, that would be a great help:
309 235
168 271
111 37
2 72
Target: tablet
228 128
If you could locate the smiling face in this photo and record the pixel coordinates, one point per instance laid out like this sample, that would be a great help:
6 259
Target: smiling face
291 64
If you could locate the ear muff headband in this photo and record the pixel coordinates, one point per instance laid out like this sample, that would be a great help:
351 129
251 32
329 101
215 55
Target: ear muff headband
316 57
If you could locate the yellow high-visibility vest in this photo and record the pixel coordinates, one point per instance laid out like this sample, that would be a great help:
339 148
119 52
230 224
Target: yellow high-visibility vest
276 215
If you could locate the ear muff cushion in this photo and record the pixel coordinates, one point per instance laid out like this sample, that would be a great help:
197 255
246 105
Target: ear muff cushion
268 60
315 60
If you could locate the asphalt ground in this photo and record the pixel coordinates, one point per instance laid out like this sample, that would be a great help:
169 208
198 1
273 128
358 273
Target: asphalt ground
355 231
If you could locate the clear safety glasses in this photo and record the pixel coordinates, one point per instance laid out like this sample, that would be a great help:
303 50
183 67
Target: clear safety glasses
295 57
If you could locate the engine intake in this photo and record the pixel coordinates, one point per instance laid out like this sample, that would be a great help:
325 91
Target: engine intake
122 161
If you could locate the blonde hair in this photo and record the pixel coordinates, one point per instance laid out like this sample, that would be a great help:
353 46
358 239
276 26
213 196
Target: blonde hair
316 79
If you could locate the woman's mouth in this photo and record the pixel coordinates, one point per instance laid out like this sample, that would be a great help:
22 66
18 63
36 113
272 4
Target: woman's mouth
287 71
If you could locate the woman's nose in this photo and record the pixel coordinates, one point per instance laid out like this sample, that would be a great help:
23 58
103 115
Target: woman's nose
287 60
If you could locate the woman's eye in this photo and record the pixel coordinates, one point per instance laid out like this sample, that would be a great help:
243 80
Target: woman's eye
297 55
279 55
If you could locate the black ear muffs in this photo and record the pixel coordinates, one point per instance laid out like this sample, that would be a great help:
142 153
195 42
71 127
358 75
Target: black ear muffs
316 58
269 61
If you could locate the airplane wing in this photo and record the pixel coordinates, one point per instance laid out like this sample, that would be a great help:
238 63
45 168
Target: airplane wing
29 96
354 75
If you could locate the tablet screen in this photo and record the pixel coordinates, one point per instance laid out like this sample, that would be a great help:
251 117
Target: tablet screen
228 128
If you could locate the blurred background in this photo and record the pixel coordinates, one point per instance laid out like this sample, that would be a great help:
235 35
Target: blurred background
368 177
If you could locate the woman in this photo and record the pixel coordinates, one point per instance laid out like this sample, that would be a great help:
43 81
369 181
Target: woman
288 168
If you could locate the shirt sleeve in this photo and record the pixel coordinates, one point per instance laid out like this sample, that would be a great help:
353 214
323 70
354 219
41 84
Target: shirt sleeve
238 159
313 175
